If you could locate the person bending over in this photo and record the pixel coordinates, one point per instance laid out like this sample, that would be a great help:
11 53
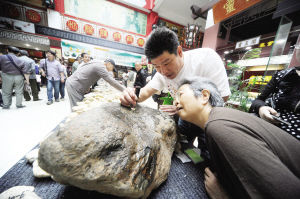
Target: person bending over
85 77
251 158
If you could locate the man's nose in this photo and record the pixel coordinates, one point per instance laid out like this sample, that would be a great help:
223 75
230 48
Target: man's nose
163 71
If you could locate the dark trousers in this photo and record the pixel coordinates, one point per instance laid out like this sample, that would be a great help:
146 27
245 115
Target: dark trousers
34 90
62 89
1 101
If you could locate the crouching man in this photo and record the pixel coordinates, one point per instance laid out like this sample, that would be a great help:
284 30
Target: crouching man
251 158
86 76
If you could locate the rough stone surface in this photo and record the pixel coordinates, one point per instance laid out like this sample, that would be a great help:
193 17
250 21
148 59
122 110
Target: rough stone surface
112 149
19 192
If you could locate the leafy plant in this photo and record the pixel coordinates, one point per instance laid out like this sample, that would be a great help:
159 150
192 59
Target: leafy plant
239 88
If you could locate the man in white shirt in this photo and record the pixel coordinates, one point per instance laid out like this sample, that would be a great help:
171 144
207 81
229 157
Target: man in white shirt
173 65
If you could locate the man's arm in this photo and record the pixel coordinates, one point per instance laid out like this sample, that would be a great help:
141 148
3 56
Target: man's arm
62 77
128 96
146 92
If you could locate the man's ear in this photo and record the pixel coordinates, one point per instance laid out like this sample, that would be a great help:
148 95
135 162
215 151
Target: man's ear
179 51
205 95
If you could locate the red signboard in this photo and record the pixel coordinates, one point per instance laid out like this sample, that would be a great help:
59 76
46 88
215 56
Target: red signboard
13 12
103 33
227 8
141 42
117 36
88 29
33 16
129 39
72 25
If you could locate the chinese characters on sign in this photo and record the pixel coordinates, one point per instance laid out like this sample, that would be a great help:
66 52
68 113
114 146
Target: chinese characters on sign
72 25
88 29
227 8
248 42
117 36
33 16
265 44
129 39
103 33
141 42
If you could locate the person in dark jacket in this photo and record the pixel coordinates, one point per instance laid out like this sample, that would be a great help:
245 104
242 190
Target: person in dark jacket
251 158
140 80
32 78
281 97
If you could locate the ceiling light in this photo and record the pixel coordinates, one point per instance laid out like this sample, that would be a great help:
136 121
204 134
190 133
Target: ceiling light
27 44
226 52
229 60
248 48
37 49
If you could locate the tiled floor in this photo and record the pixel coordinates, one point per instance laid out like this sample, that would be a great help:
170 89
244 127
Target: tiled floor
22 129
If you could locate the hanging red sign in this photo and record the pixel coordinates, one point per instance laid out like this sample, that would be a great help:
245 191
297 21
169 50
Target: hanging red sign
129 39
33 16
117 36
103 33
88 29
72 25
13 12
141 42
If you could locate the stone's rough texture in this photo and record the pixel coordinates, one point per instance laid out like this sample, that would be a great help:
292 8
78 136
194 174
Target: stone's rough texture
19 192
112 149
38 171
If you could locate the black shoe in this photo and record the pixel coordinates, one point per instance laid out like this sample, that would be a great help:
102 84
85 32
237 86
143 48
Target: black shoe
27 99
5 107
37 99
22 106
57 100
1 104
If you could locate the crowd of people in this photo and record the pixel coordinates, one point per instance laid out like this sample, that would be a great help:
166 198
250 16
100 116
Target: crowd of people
248 155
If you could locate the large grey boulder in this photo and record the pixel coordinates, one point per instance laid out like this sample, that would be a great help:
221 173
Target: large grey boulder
112 149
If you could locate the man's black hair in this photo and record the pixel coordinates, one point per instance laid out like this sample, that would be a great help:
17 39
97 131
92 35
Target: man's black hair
159 41
13 49
82 54
24 52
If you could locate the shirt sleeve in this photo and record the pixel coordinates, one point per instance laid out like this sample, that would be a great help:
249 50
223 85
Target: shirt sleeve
103 73
42 64
216 72
157 82
60 68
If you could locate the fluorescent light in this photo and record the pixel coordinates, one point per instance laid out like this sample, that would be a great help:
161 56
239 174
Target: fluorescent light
248 48
27 44
229 60
37 49
226 52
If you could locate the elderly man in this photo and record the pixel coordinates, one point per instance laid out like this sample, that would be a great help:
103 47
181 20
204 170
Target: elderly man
13 73
85 77
251 157
53 70
32 78
173 65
